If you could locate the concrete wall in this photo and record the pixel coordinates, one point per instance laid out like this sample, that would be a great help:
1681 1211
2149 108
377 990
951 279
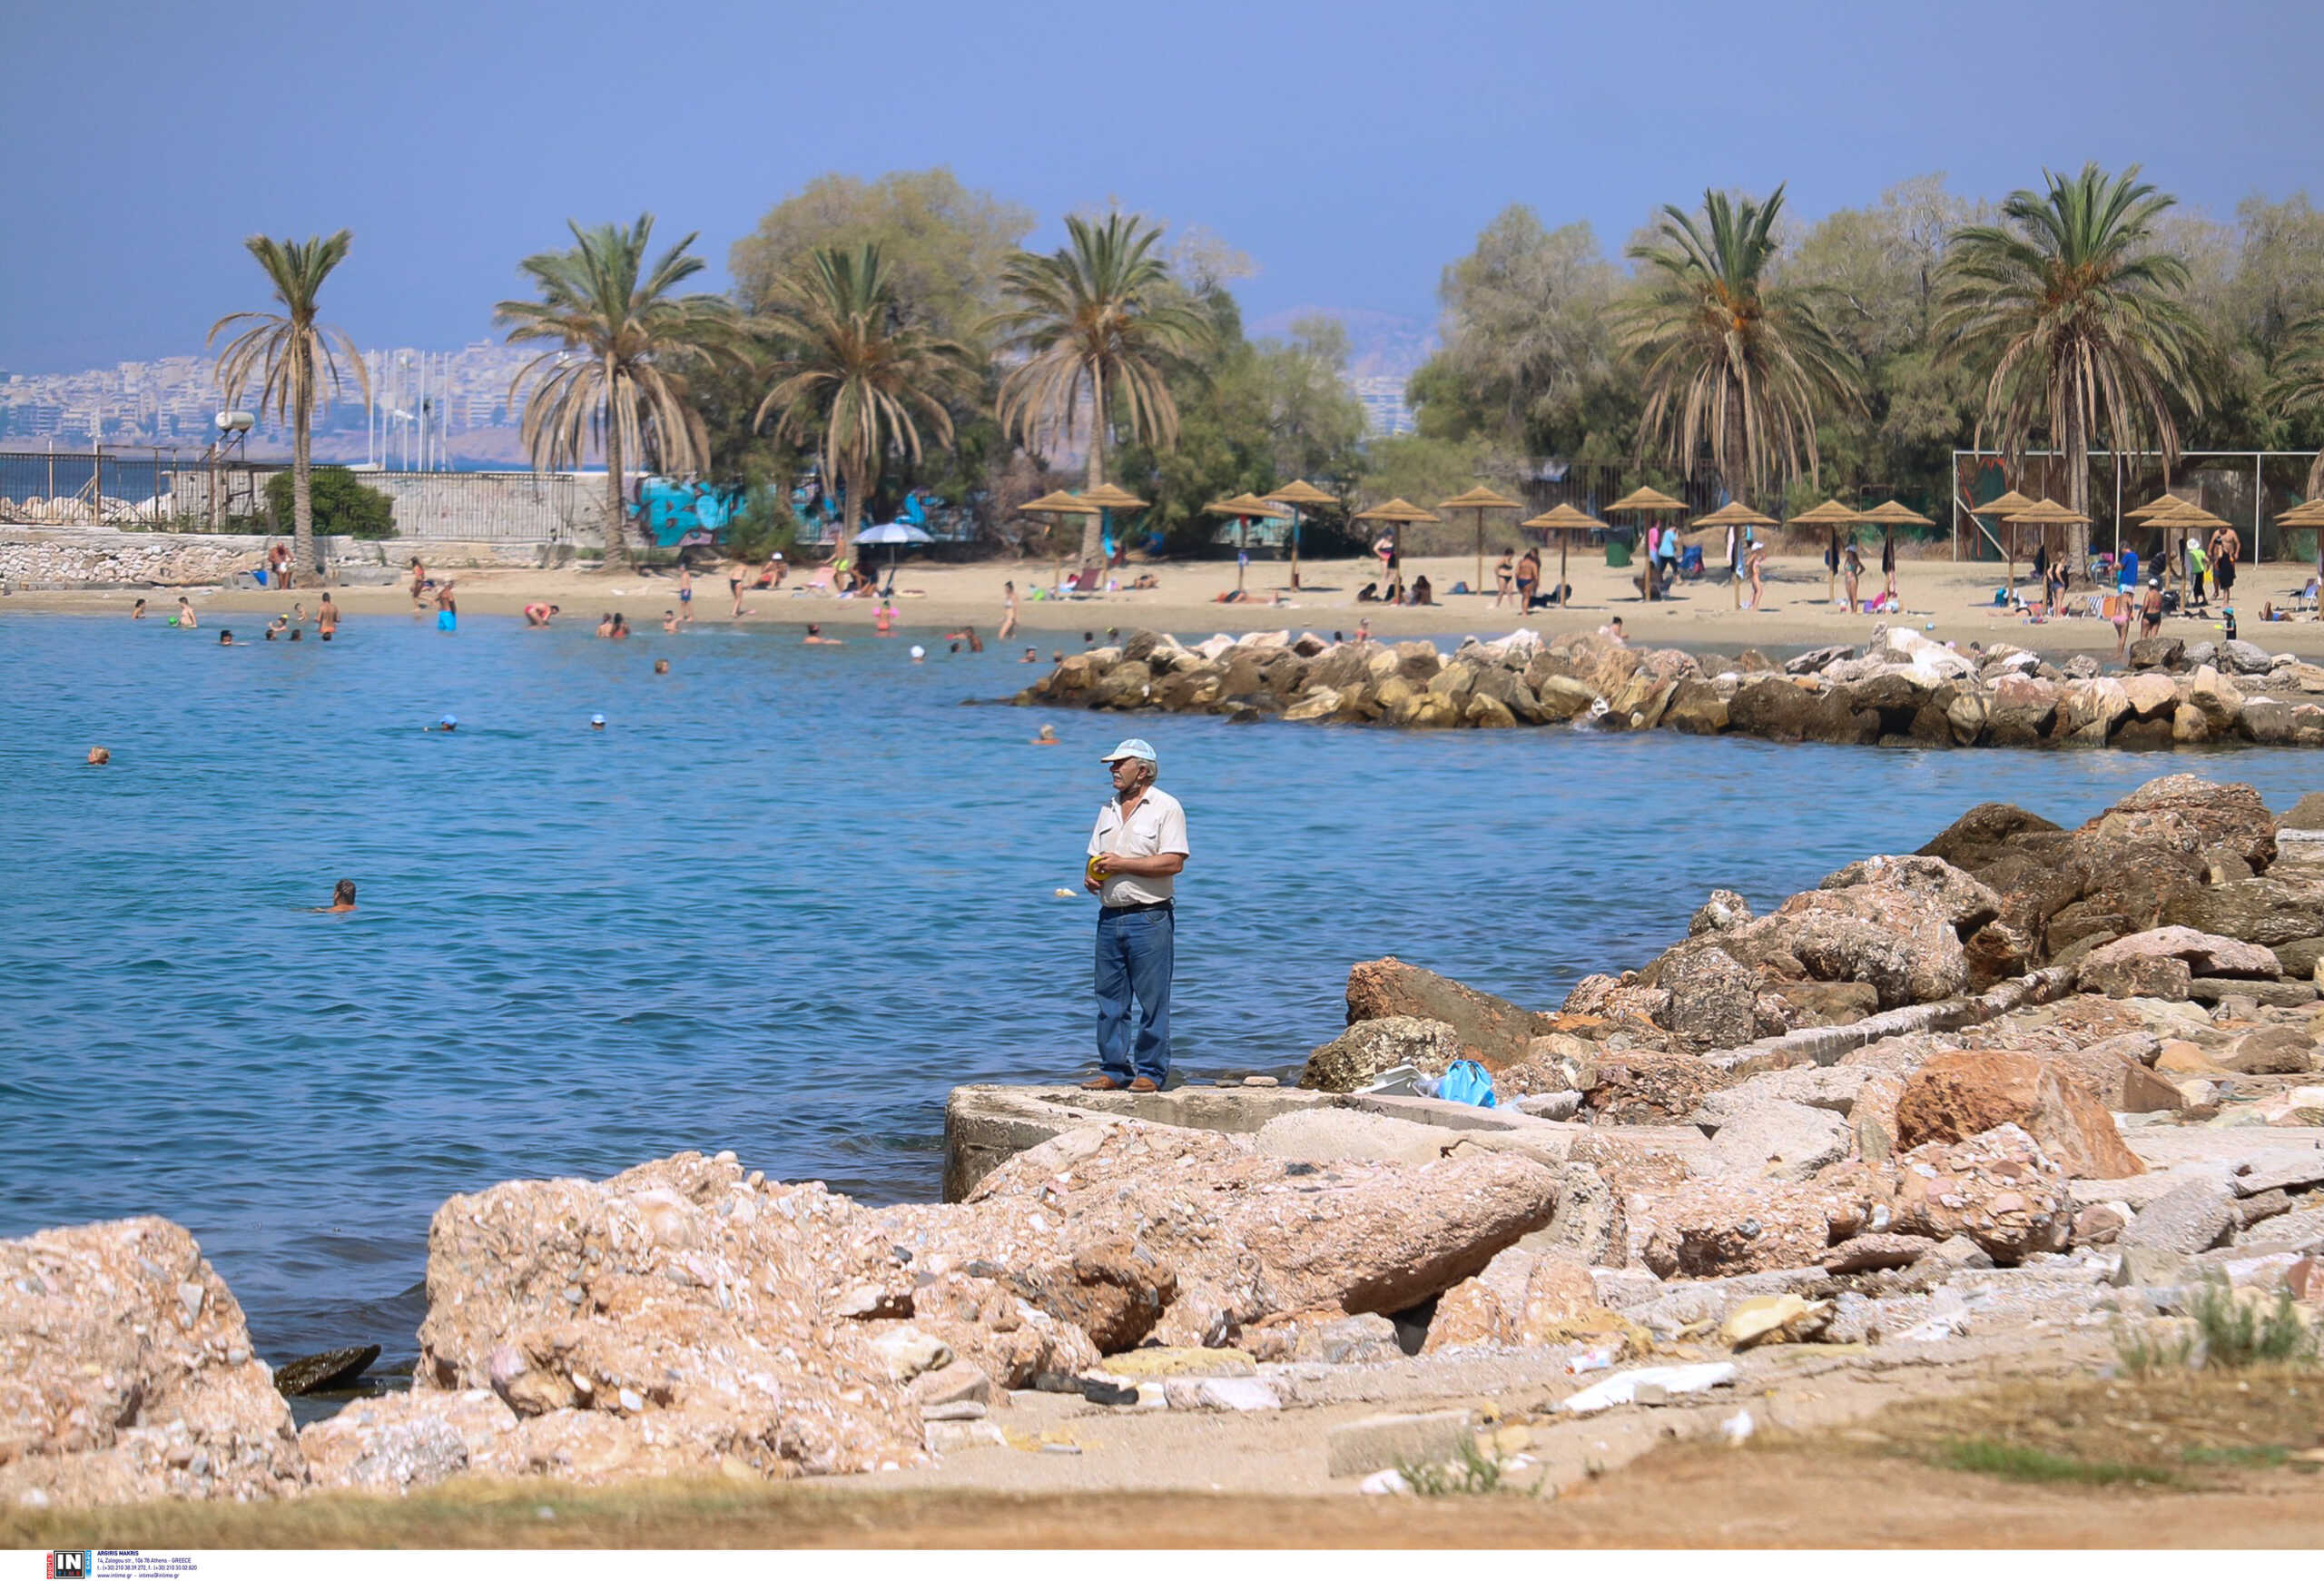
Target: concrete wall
31 561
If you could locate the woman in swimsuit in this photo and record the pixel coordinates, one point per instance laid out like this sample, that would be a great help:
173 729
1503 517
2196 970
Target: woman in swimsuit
1504 579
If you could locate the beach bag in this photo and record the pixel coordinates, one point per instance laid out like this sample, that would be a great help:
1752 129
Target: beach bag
1465 1081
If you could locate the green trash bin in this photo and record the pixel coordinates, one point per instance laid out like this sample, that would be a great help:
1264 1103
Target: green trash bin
1618 552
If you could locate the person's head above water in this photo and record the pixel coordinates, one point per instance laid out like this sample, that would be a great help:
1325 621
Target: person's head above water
225 639
597 721
446 723
342 893
99 757
661 667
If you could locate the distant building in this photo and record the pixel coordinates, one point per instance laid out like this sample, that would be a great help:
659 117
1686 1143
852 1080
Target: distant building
1384 411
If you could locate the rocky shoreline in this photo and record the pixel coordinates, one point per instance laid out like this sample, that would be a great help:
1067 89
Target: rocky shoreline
1985 1105
1899 688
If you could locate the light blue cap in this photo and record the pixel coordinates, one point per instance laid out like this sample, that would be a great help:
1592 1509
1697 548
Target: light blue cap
596 718
448 719
1133 747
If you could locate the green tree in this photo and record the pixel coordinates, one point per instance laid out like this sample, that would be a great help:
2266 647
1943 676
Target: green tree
2298 387
618 378
853 374
1527 356
296 355
340 503
2075 323
943 245
1731 361
1100 322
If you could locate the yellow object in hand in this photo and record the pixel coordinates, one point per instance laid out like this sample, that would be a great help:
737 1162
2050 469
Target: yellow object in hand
1091 871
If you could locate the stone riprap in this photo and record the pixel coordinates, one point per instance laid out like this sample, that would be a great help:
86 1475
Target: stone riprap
1899 688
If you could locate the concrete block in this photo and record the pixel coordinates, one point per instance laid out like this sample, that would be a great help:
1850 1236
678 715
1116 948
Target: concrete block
1378 1442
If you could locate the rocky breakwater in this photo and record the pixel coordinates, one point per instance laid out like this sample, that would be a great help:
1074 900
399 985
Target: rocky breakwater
1899 688
1976 1054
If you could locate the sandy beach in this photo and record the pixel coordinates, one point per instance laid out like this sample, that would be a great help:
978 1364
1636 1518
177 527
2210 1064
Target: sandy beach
1951 602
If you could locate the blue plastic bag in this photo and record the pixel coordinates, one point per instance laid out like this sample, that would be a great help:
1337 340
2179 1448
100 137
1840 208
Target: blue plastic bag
1466 1081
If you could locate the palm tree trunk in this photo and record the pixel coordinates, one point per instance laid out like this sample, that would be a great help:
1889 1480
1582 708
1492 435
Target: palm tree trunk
2077 486
1092 531
302 506
617 526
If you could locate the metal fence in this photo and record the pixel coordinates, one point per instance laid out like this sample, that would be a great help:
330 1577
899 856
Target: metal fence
187 492
2248 488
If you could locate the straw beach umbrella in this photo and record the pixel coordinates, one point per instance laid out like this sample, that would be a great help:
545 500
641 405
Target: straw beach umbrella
1480 499
1735 513
1398 512
1641 502
1243 508
1831 515
1563 519
1300 495
1056 505
1108 499
2045 514
1889 515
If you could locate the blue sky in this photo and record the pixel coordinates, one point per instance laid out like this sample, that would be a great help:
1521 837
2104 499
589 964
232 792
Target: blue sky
1351 149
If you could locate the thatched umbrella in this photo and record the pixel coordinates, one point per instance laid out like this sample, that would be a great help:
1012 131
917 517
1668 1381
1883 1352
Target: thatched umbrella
1299 494
1735 513
2008 506
1243 508
1831 515
2045 514
1890 515
1398 512
1480 499
1108 499
1640 503
1563 519
1055 504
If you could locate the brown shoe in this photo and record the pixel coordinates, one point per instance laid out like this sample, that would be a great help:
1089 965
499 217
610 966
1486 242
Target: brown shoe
1106 1084
1144 1084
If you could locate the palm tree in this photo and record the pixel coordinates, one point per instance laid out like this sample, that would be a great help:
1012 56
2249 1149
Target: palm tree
1102 313
296 354
2299 384
1732 361
852 370
617 377
2075 321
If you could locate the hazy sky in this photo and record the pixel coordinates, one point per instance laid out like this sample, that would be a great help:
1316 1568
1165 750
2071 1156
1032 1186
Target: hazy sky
1351 148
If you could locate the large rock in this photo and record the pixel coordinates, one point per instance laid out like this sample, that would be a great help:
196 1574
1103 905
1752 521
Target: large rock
2217 699
1712 999
2189 1219
1246 1236
2093 708
1781 1141
2205 954
2259 911
1522 1296
678 1286
1491 1030
2156 653
126 1374
2022 710
1641 1087
2188 814
400 1442
1999 1189
1954 1097
1894 923
1357 1056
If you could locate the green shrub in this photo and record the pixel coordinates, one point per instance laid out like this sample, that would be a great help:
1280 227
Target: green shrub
343 506
2238 1335
2021 1464
1475 1473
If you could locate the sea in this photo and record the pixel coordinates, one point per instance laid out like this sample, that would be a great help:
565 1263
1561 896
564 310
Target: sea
783 902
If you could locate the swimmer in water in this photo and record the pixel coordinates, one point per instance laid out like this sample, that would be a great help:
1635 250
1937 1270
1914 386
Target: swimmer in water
1032 656
1048 738
326 616
138 611
661 667
185 614
538 615
815 637
620 632
298 632
670 622
884 622
226 638
343 898
919 654
446 725
597 721
99 757
277 627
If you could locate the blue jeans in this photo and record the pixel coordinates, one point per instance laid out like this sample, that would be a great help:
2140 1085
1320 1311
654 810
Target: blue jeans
1135 951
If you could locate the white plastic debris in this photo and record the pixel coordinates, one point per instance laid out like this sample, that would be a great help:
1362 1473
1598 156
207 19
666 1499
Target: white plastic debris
1738 1429
1597 1359
1622 1387
1389 1481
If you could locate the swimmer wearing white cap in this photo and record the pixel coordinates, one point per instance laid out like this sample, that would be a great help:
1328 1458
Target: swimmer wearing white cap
597 721
446 723
919 654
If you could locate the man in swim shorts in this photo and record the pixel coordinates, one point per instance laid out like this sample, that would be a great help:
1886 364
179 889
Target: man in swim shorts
1136 850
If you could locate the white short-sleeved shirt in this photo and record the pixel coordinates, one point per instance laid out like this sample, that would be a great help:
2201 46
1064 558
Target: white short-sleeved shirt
1159 825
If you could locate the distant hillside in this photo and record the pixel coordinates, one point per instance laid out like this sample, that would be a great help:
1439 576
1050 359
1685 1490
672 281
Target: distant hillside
1380 345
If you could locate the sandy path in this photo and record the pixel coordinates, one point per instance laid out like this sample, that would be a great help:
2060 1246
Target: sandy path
1952 601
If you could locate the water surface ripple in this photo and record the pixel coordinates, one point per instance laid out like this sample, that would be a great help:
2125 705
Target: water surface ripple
783 903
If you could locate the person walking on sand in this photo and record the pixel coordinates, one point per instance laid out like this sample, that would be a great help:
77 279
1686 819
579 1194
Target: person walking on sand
1136 850
1504 579
1755 566
686 593
1007 611
1851 569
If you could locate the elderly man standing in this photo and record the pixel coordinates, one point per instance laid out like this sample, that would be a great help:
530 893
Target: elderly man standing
1136 853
